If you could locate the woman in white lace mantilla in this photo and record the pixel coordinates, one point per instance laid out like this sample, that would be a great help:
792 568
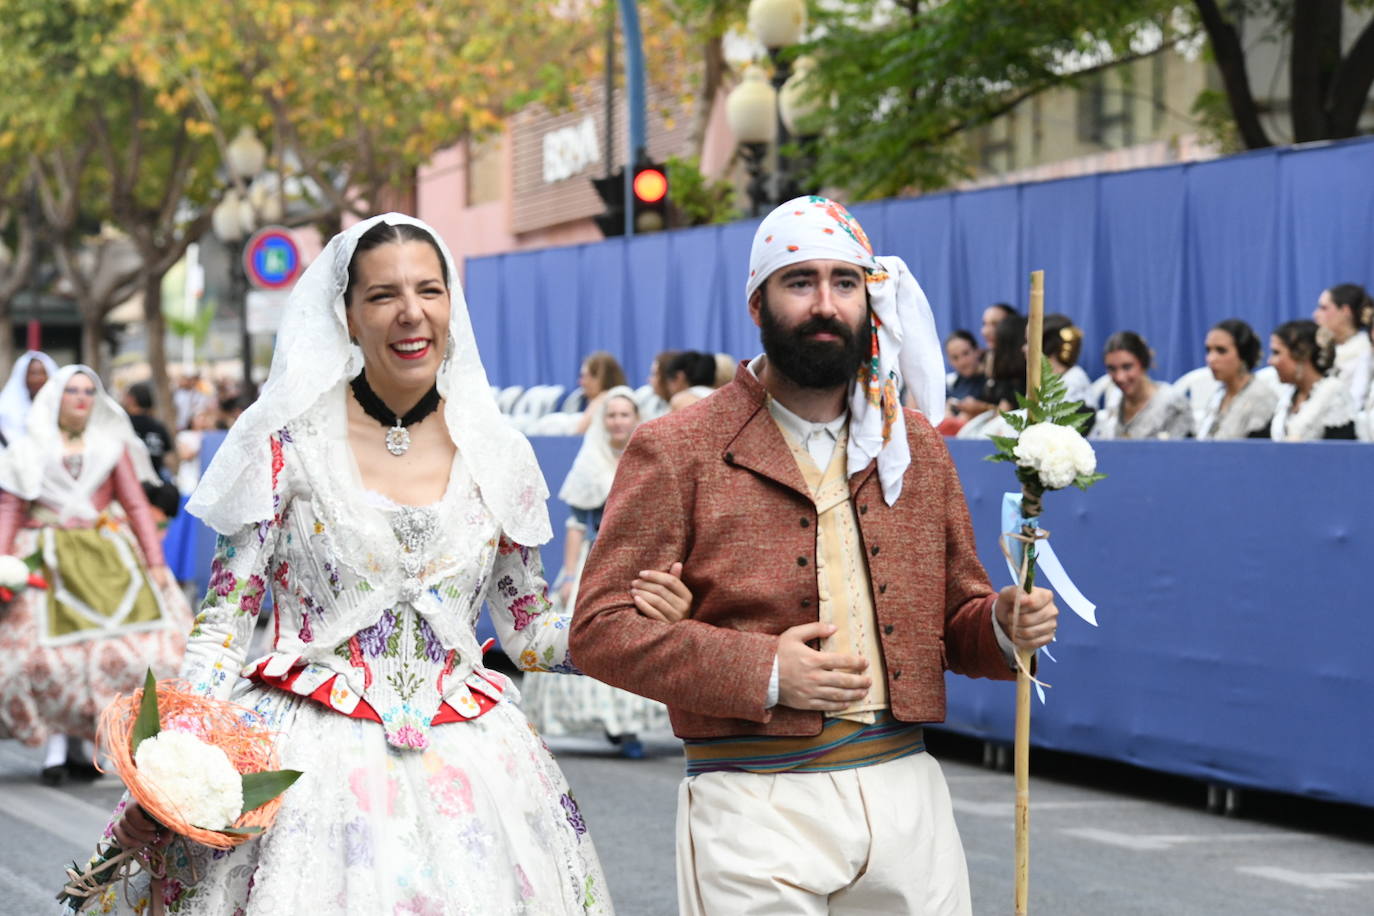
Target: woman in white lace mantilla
1315 404
1242 407
1148 409
567 705
380 535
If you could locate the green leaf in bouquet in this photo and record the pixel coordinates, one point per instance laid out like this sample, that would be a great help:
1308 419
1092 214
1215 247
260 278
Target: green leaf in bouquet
1079 421
1016 421
999 456
261 788
1083 481
148 723
1005 444
34 561
241 831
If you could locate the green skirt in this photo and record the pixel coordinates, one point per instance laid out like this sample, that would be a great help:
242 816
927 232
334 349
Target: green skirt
96 586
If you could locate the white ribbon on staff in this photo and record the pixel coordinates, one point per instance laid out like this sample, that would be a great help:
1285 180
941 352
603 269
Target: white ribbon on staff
1048 562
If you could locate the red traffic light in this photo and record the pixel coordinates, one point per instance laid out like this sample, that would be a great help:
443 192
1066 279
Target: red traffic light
650 185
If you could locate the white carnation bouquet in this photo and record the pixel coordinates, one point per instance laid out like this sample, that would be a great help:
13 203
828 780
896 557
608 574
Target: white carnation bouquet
1050 453
18 576
205 769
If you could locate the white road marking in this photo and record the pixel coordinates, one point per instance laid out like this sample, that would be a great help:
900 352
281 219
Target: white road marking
1008 808
40 897
1315 881
1163 841
57 813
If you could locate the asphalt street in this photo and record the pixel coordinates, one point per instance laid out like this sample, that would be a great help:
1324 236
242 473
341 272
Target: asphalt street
1106 845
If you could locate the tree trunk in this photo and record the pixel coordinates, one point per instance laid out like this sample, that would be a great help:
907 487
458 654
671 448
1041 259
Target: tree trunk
1316 56
1230 58
155 326
92 336
712 76
1350 88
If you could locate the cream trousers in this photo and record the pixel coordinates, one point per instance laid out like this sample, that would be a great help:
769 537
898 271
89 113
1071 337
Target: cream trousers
877 840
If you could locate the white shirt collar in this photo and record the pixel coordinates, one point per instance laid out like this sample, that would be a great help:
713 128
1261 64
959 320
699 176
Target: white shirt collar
801 429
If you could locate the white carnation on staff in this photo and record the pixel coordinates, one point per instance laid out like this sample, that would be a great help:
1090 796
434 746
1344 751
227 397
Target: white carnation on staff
197 778
14 573
1059 455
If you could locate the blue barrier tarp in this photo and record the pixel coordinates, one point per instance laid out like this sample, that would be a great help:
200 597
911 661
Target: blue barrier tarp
1166 252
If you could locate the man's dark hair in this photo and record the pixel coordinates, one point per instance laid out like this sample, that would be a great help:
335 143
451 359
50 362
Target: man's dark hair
142 395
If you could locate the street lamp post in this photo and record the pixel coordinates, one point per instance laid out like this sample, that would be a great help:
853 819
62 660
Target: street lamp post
233 221
755 108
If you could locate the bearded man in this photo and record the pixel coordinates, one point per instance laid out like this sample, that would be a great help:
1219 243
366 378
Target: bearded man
808 505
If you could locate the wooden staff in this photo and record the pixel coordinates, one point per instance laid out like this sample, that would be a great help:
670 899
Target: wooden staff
1021 748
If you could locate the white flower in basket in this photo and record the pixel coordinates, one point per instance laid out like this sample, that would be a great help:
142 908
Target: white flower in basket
195 777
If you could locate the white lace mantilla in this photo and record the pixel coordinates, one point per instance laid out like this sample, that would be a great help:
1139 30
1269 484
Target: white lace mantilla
1328 406
378 606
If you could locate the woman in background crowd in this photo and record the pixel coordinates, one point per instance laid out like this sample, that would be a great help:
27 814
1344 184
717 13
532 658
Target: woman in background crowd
30 372
656 404
966 379
1242 407
565 705
691 376
1345 312
1319 405
600 373
1006 379
1148 409
1062 343
1364 419
112 610
725 370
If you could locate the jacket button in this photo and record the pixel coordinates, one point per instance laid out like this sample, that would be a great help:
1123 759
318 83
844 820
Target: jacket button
806 523
801 561
897 675
806 602
729 457
882 589
863 510
887 630
875 550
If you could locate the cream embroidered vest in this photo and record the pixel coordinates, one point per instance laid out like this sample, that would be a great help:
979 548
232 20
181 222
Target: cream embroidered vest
846 594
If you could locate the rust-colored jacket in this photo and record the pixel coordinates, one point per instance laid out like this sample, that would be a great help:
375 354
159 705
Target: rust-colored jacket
717 487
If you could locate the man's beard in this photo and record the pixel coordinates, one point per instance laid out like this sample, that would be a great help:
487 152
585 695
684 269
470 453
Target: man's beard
812 363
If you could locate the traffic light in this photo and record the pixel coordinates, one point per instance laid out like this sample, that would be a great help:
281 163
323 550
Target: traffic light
650 200
612 191
651 197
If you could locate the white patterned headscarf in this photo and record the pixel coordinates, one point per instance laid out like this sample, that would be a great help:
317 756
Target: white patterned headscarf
313 356
905 351
588 483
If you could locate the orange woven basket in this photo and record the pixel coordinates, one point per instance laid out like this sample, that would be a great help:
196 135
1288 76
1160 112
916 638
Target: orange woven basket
240 732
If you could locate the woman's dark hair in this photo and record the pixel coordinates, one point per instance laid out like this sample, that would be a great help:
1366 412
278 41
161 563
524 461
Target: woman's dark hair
1307 344
1354 297
1008 358
1246 341
961 334
391 234
699 368
1132 343
1061 339
1006 309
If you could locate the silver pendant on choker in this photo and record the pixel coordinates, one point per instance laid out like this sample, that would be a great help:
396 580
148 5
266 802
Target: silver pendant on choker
397 439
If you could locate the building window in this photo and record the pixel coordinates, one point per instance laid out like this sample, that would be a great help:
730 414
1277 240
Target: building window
1104 114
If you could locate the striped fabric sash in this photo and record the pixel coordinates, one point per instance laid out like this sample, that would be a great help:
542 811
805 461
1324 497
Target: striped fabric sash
841 745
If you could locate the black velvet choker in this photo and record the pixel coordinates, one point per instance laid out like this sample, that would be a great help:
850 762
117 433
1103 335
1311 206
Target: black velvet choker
397 436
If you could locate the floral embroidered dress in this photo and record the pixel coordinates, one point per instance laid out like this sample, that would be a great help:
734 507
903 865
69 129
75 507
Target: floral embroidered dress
425 791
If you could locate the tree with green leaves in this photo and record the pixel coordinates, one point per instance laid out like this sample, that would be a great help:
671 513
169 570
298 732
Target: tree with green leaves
904 82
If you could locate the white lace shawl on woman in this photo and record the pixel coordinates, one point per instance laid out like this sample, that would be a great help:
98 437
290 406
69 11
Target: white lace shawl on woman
1165 416
1328 406
589 480
1250 411
31 468
313 356
14 398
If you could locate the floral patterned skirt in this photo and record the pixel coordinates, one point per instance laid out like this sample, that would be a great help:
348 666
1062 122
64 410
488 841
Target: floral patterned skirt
50 687
481 823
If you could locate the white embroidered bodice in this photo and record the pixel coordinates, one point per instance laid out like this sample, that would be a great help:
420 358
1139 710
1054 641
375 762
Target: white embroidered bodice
380 605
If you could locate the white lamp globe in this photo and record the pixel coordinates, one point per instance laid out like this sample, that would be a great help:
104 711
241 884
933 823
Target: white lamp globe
225 219
246 155
798 109
777 23
751 108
